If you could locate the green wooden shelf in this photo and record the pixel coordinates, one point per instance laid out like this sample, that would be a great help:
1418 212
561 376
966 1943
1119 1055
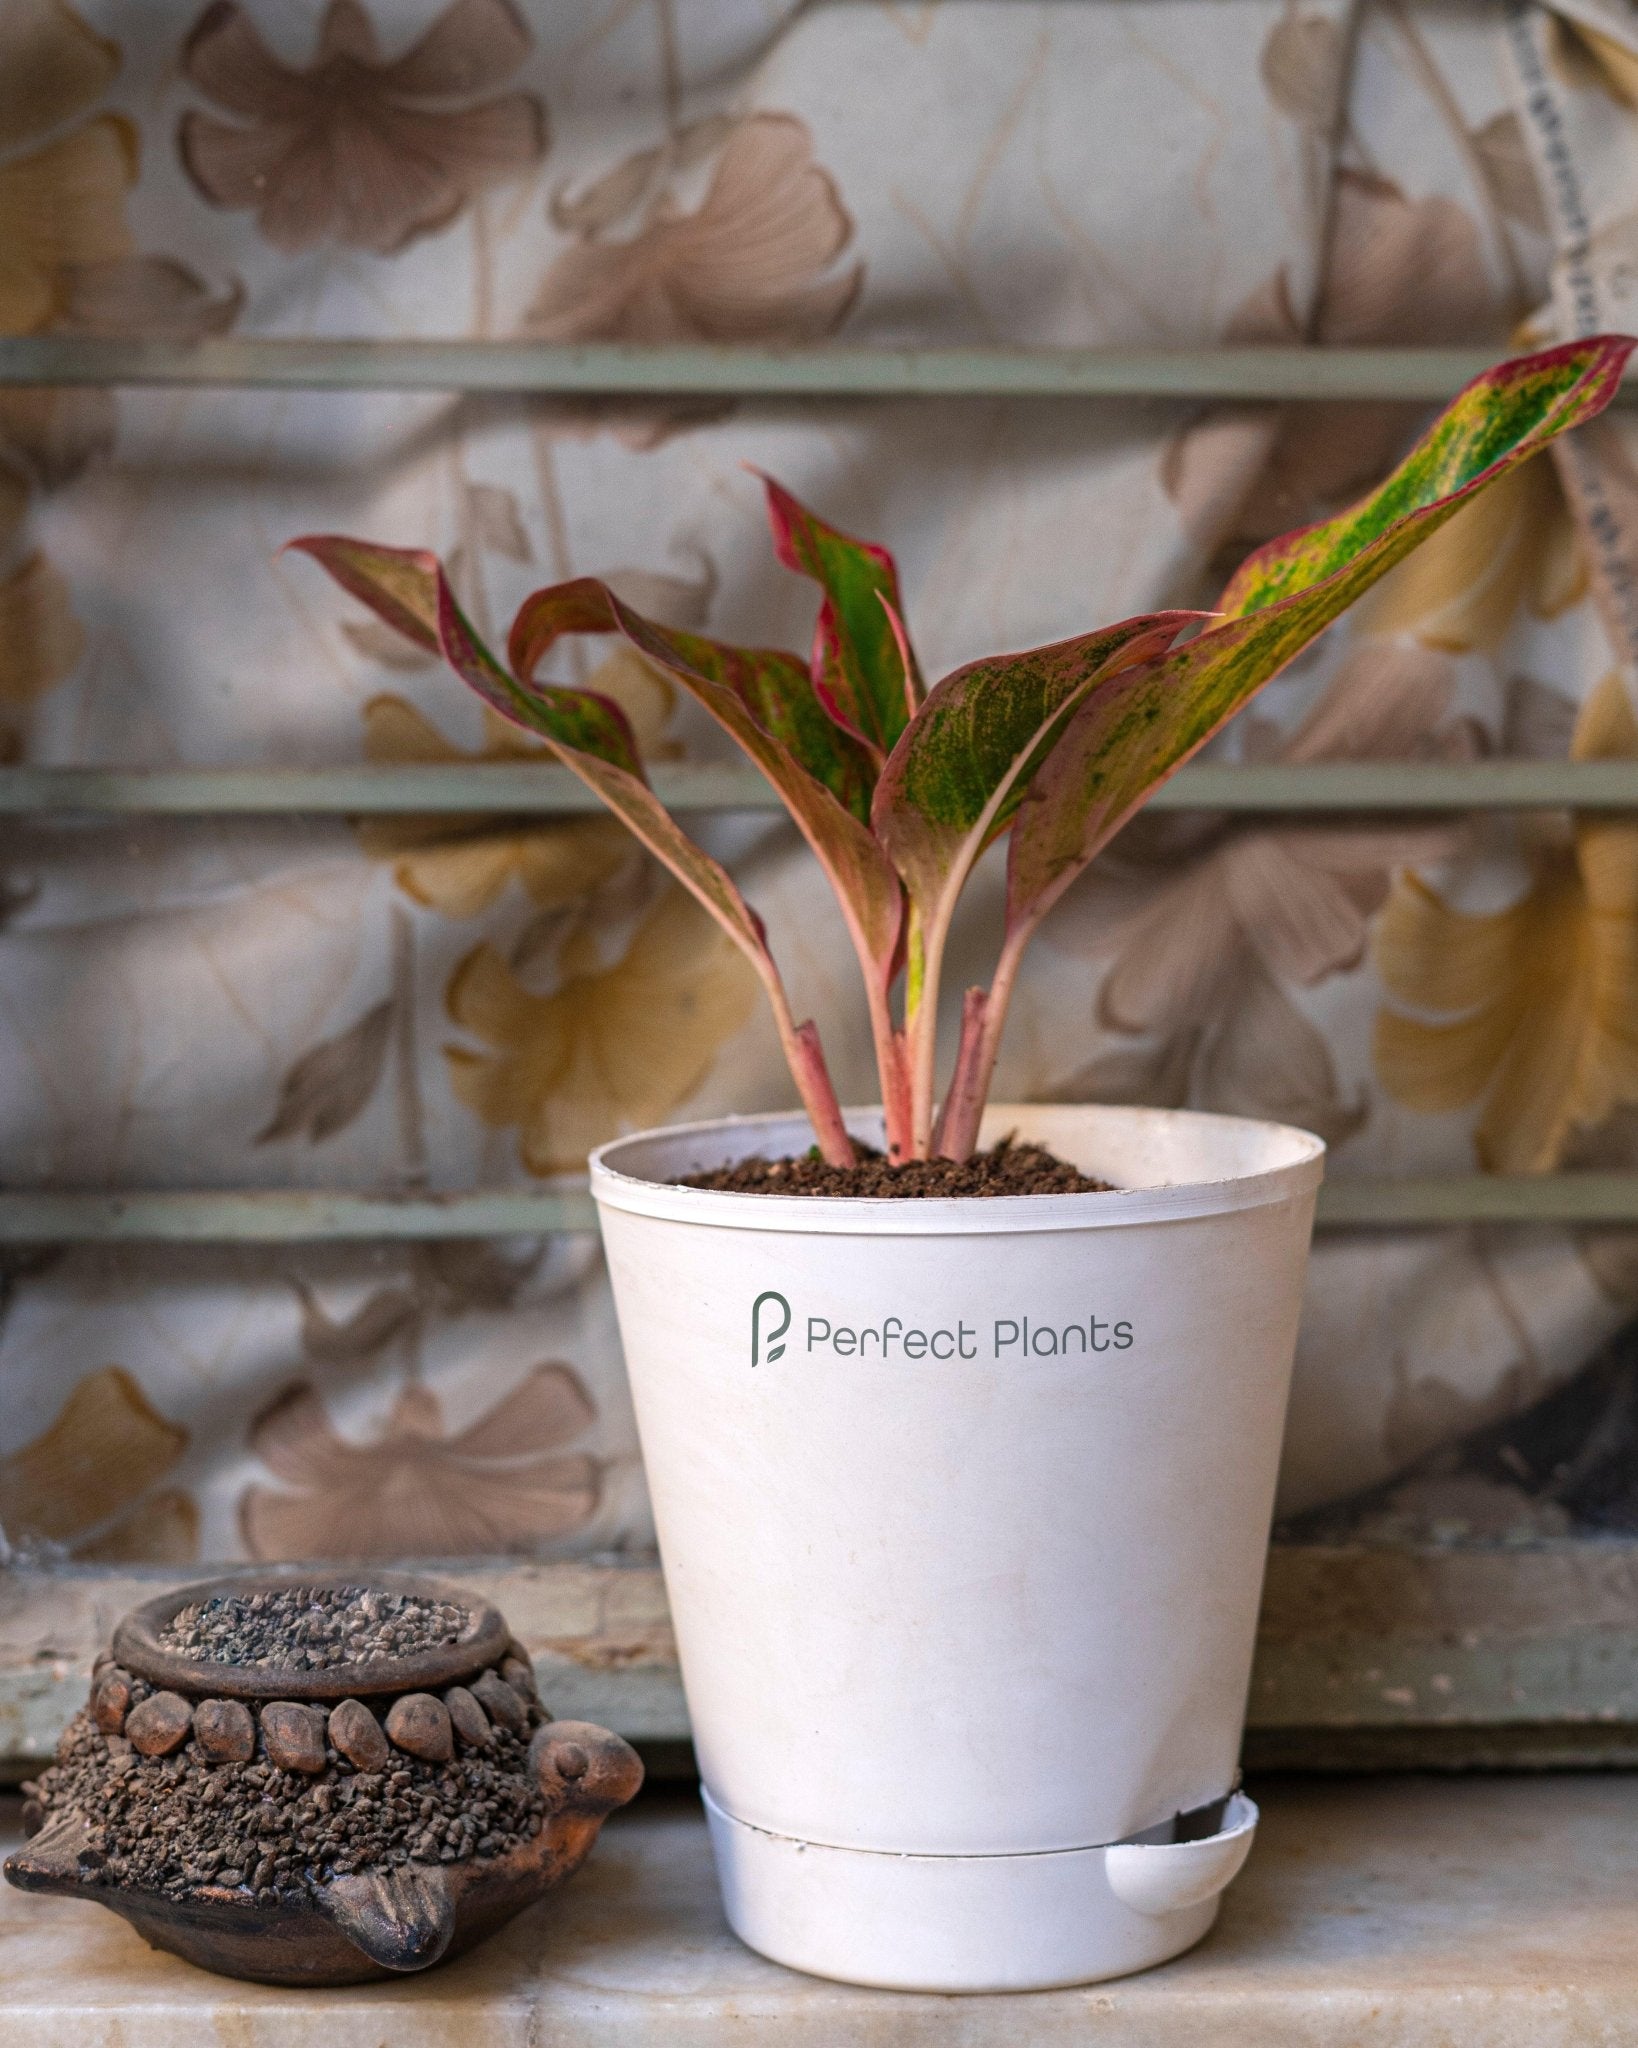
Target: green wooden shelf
304 1216
509 789
608 369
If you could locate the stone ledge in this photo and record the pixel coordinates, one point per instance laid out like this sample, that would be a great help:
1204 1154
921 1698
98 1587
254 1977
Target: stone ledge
1368 1656
1375 1913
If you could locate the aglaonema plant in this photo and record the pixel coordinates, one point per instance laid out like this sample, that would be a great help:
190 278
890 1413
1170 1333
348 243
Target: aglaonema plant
897 788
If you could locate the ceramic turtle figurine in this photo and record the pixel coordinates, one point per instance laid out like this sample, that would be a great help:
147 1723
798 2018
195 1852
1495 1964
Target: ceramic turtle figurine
318 1779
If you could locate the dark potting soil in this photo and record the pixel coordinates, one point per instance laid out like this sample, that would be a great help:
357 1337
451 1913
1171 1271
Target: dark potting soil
1007 1168
312 1628
177 1824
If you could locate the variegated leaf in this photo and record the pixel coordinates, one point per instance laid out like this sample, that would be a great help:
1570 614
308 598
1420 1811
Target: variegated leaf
763 699
961 767
589 734
1136 728
863 671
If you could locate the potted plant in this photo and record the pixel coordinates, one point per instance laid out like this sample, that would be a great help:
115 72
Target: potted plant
963 1499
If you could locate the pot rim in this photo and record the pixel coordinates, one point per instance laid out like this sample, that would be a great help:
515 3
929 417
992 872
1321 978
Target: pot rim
618 1181
137 1644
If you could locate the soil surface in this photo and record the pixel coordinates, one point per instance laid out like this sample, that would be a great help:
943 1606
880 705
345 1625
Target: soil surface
1007 1168
313 1627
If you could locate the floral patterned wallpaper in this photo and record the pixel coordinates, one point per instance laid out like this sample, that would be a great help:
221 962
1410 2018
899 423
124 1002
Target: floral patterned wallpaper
439 1003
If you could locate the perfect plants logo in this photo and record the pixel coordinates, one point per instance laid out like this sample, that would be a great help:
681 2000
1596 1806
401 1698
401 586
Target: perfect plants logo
770 1319
1009 1337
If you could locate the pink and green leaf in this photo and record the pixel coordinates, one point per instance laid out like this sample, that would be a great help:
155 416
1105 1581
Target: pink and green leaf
740 686
408 589
1136 727
588 733
953 781
961 767
1490 426
863 671
763 699
396 583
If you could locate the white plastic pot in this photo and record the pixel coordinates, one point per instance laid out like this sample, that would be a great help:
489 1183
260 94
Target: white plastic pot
963 1507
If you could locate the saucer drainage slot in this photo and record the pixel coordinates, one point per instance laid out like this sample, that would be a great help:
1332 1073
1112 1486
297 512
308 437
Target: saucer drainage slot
1175 1866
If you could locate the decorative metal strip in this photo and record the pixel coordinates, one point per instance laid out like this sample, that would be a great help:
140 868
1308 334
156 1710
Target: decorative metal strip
1384 1203
280 1216
486 789
602 369
285 1216
502 789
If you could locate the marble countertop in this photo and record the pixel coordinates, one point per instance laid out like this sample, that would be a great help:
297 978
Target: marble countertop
1374 1913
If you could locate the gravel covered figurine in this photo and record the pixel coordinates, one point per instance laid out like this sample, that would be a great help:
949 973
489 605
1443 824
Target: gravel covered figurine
317 1780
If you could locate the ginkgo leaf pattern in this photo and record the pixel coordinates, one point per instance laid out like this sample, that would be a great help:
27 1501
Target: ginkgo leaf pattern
752 262
1531 1010
326 1086
761 258
461 866
354 147
1504 152
507 1482
1600 56
440 1281
1205 920
1399 268
41 640
1302 67
89 1484
53 66
613 1048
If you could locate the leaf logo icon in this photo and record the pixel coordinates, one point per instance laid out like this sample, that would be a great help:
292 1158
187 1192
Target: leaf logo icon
765 1331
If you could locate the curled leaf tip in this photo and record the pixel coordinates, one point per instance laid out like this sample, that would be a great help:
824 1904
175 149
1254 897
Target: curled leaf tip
901 640
400 585
1496 420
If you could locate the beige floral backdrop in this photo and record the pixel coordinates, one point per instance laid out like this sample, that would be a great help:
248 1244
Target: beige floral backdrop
444 1003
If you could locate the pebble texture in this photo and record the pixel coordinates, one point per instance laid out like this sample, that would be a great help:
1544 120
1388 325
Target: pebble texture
1374 1913
500 1702
224 1731
159 1724
520 1676
420 1725
357 1735
111 1699
181 1796
467 1718
294 1736
174 1824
